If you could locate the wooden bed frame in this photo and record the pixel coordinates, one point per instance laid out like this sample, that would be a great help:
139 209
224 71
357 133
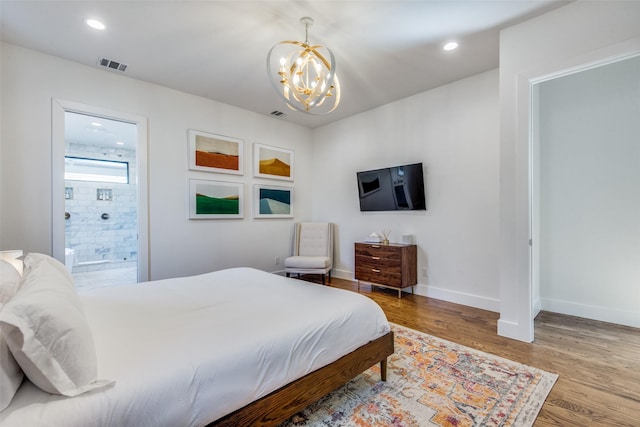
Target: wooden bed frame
290 399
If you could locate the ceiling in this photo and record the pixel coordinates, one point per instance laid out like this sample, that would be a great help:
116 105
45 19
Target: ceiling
99 131
385 49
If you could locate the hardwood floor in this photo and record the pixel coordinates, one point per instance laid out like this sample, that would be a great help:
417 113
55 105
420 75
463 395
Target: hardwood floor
598 363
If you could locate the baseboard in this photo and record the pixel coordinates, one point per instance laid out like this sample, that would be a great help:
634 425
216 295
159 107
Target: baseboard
490 304
342 274
537 307
603 314
513 330
470 300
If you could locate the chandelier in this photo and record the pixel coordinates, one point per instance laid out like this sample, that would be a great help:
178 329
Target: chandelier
304 75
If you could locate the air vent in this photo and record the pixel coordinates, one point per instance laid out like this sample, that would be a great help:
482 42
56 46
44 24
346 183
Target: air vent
112 65
277 113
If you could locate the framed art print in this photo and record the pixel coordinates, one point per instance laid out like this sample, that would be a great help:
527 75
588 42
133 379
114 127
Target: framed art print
215 153
272 202
215 199
272 162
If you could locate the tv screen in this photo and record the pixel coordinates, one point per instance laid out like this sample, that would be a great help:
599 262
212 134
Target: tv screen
392 189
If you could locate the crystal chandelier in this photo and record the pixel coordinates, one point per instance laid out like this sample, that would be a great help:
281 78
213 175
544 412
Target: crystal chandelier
304 75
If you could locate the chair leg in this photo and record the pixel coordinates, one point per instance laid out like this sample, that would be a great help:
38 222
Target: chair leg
287 274
323 279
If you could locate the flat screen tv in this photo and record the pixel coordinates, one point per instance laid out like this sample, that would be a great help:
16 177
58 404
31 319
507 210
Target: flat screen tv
392 189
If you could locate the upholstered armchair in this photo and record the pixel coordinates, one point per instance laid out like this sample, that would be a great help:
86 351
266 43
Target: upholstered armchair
312 250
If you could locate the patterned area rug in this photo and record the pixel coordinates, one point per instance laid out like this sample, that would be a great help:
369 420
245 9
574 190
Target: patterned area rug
433 382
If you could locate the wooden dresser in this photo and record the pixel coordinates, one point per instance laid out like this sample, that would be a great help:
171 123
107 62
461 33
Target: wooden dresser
389 266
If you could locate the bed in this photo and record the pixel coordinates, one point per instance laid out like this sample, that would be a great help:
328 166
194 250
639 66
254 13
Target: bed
232 347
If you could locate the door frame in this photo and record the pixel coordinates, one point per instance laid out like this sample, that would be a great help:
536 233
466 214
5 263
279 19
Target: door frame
58 109
535 161
523 296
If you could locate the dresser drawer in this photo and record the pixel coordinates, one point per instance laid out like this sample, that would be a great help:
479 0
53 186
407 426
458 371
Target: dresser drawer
390 265
381 276
379 251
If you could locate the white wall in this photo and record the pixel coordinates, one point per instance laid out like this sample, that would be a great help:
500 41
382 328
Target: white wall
570 37
460 239
590 193
453 131
178 246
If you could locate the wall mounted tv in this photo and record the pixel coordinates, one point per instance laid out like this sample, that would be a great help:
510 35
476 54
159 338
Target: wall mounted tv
392 189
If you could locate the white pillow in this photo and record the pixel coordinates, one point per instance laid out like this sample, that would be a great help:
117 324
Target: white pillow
9 281
47 332
10 373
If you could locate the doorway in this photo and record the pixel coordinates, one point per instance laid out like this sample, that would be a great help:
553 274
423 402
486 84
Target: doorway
100 216
585 199
101 244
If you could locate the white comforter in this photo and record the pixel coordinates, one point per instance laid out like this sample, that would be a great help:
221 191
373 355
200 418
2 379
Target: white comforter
187 351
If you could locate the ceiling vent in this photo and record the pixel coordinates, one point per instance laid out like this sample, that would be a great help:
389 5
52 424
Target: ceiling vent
112 65
277 113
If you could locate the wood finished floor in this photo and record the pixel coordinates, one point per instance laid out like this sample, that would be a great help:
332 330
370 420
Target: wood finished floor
598 363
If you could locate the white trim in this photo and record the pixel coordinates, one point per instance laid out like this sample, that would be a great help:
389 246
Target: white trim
599 58
343 274
520 291
511 330
604 314
537 306
591 63
58 108
484 303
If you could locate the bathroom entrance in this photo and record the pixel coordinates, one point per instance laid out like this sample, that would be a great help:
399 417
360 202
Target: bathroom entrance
102 196
101 245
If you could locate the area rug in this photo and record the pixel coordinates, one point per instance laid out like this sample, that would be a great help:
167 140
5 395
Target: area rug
433 382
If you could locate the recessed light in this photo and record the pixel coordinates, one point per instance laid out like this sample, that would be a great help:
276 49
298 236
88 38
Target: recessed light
95 24
450 46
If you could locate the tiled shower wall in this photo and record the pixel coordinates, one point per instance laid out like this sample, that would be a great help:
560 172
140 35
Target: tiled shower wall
94 238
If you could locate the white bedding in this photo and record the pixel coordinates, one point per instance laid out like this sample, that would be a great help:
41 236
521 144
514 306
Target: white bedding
187 351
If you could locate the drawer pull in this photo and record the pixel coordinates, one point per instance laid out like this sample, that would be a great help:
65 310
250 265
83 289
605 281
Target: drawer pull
375 257
375 270
375 246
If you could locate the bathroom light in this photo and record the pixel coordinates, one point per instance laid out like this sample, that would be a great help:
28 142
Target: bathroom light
95 24
450 46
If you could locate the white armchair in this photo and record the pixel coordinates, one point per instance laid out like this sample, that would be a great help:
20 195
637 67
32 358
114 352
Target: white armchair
312 250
